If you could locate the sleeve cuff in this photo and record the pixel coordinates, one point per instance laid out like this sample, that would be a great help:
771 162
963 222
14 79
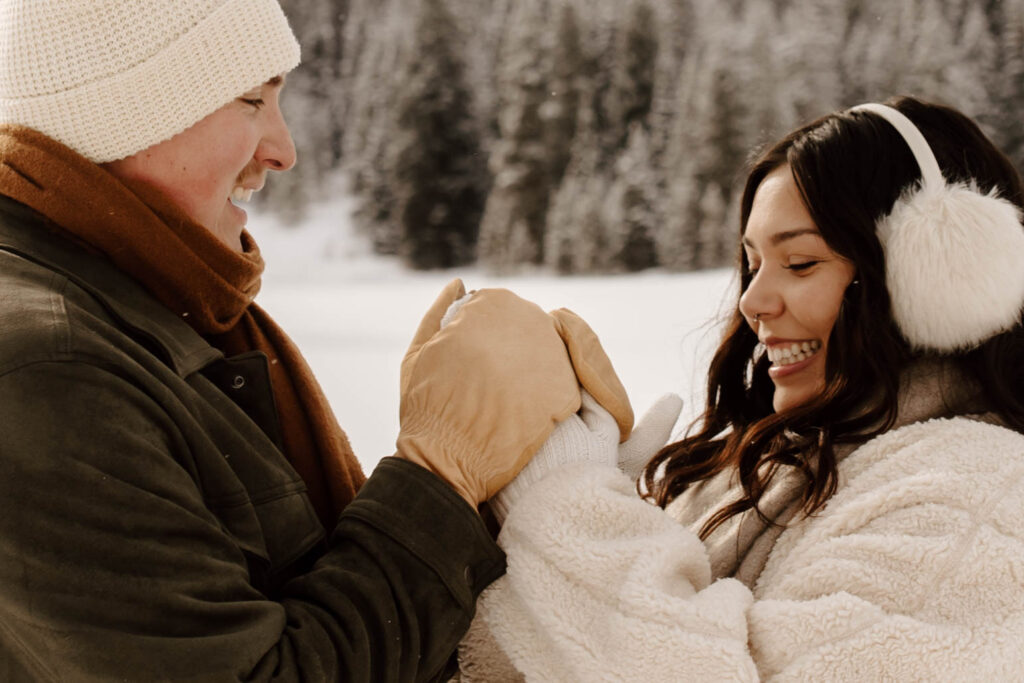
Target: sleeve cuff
421 512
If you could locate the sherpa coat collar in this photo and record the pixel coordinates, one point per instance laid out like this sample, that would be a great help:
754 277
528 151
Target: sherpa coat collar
930 388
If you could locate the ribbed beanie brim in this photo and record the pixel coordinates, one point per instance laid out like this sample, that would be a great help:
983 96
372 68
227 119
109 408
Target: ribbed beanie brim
110 78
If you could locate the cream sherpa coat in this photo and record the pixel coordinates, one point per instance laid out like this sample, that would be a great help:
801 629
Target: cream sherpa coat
913 572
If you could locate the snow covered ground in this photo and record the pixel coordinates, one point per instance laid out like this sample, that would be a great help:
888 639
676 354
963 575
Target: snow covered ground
352 314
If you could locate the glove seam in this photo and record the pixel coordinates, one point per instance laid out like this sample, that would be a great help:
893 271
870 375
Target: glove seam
436 427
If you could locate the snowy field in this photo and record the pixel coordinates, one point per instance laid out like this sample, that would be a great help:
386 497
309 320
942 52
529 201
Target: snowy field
353 314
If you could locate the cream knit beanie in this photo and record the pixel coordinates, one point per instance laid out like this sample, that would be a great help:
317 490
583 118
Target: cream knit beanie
110 78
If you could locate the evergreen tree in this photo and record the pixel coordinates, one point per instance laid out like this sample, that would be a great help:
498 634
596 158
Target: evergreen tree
636 55
713 236
921 48
973 75
757 67
560 109
707 148
676 38
375 212
874 52
631 216
676 240
321 29
312 97
936 58
378 37
1008 87
438 178
806 82
598 105
576 238
512 229
483 26
577 241
712 142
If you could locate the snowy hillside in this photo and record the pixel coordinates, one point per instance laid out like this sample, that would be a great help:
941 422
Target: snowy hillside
353 314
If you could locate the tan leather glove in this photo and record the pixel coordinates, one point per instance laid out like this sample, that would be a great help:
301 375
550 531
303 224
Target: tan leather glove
480 396
594 368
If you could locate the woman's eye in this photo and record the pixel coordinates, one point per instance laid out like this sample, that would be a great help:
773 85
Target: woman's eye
255 102
802 266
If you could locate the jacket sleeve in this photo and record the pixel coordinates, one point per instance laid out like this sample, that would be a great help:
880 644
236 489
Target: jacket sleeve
912 572
113 568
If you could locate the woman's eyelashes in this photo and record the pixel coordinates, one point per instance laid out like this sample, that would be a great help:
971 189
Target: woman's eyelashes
805 265
753 266
256 102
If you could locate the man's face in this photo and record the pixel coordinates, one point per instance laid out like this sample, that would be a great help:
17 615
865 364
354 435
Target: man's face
227 153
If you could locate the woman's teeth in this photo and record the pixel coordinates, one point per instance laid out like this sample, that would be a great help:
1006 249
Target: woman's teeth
787 354
240 194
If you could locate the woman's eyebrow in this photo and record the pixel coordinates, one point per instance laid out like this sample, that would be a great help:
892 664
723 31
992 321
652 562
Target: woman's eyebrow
780 237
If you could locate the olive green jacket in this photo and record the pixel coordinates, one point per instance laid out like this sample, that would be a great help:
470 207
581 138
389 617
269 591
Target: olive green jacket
151 529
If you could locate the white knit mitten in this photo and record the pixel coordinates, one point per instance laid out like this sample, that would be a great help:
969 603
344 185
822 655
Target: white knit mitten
592 435
651 434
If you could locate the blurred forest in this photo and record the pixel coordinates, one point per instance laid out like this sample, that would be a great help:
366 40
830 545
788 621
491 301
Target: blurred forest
604 135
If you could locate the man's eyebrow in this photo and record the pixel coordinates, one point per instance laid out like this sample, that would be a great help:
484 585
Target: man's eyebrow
780 237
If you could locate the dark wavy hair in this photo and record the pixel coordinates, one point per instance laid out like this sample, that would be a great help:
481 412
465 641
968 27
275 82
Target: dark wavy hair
850 169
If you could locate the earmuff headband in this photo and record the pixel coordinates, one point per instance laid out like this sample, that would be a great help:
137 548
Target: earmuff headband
954 257
930 173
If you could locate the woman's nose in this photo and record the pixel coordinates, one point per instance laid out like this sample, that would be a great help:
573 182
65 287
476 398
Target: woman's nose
761 300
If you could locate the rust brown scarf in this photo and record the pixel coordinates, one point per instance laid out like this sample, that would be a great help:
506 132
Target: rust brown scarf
194 274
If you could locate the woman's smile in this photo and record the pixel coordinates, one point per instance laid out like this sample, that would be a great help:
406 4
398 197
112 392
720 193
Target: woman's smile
796 288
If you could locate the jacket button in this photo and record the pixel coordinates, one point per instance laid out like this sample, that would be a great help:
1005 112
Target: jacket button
238 382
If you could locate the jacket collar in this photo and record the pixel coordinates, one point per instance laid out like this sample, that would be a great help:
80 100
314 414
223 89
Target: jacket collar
24 232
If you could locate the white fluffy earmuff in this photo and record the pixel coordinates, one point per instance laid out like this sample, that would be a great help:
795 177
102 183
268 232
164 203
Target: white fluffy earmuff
954 256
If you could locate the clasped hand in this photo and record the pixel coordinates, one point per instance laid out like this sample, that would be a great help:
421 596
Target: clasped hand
480 396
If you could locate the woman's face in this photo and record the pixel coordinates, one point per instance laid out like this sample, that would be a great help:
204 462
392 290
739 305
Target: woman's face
796 289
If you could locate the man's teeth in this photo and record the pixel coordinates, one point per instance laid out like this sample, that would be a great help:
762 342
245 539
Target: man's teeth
787 354
240 194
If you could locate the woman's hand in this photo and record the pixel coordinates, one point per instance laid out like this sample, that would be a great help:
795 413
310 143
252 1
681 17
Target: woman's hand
592 436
